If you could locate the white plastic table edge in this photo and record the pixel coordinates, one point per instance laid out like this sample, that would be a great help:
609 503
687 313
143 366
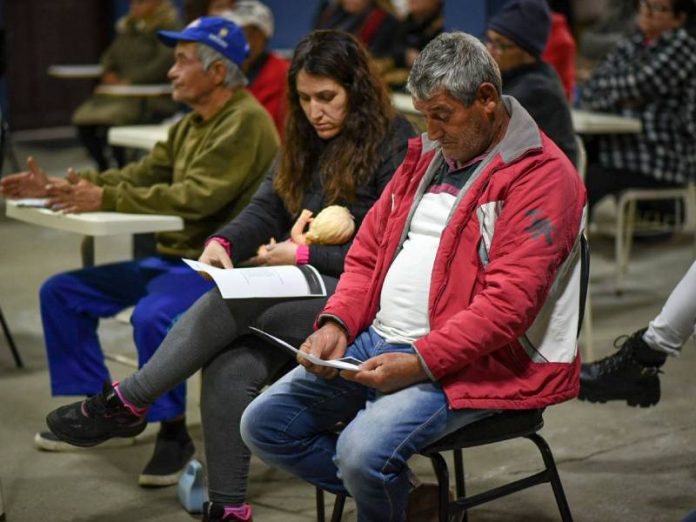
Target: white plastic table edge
95 223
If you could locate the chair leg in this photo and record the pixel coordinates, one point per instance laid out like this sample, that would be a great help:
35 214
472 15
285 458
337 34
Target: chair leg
554 478
338 508
442 474
630 229
321 517
460 479
619 242
10 341
587 330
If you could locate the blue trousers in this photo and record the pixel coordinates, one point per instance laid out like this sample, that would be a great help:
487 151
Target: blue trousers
290 427
72 303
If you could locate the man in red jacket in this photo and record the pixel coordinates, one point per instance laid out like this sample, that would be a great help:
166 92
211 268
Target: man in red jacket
266 71
460 294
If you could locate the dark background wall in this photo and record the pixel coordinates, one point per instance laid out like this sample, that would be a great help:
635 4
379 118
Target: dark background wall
35 34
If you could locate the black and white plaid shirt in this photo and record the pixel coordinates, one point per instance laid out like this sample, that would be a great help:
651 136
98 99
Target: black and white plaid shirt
655 82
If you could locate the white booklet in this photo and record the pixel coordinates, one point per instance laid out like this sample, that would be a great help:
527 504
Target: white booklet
264 281
345 363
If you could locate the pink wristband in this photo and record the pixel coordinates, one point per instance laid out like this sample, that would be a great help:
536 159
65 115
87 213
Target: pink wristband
302 255
223 242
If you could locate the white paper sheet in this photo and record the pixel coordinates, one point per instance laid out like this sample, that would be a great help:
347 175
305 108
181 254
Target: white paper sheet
265 281
346 363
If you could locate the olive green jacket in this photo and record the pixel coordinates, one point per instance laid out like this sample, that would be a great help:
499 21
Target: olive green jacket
206 172
136 55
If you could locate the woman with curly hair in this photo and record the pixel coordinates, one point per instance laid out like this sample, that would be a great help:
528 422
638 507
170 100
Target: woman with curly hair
343 144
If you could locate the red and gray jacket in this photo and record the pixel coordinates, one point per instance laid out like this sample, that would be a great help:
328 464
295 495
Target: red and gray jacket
505 288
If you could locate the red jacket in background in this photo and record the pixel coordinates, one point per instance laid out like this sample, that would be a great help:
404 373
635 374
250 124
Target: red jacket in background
560 53
505 288
269 88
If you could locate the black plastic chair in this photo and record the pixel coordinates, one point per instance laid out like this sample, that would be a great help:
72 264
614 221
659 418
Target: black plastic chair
510 424
504 426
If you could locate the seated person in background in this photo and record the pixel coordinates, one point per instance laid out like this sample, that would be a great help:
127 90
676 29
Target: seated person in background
650 76
468 251
218 7
631 374
603 31
369 20
206 172
266 71
423 23
135 57
342 146
560 53
516 37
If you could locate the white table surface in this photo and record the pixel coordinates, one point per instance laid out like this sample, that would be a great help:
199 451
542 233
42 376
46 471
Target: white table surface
584 122
135 90
588 122
137 136
94 223
76 71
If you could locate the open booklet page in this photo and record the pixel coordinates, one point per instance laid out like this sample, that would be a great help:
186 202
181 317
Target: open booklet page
347 363
264 281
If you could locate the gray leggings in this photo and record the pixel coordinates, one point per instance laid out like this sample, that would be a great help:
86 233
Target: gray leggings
213 335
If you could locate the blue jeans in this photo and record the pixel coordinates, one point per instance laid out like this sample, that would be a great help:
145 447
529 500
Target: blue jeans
73 302
291 427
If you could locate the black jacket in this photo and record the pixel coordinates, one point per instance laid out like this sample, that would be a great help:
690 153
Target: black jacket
538 89
266 216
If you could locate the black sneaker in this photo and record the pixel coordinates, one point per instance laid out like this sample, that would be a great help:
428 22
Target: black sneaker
631 374
167 463
214 512
95 419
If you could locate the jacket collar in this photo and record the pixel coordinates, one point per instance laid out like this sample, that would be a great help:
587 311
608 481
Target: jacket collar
522 133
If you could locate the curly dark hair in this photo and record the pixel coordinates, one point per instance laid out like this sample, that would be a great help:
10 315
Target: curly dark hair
349 159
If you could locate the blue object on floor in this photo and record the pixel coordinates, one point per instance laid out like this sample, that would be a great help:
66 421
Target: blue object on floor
191 490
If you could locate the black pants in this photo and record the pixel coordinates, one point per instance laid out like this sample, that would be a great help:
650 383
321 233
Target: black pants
601 181
94 139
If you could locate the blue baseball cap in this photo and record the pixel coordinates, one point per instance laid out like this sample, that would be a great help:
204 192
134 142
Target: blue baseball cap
217 33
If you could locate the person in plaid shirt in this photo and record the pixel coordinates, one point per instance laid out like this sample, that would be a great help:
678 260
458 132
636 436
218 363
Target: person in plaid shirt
650 75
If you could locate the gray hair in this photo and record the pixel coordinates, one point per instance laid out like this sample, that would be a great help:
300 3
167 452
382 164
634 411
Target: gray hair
234 77
456 62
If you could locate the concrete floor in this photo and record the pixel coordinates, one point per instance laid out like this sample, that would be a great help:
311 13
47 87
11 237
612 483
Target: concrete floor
616 463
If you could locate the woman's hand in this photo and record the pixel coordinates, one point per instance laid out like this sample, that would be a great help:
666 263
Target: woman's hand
215 254
275 254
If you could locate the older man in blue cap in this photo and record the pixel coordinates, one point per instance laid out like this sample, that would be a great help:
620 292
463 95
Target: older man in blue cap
205 172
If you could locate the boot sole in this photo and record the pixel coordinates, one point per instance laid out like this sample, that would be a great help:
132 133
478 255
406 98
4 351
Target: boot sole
60 446
643 401
83 443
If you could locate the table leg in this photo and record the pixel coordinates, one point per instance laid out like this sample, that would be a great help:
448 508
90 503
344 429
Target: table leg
2 506
10 341
87 251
